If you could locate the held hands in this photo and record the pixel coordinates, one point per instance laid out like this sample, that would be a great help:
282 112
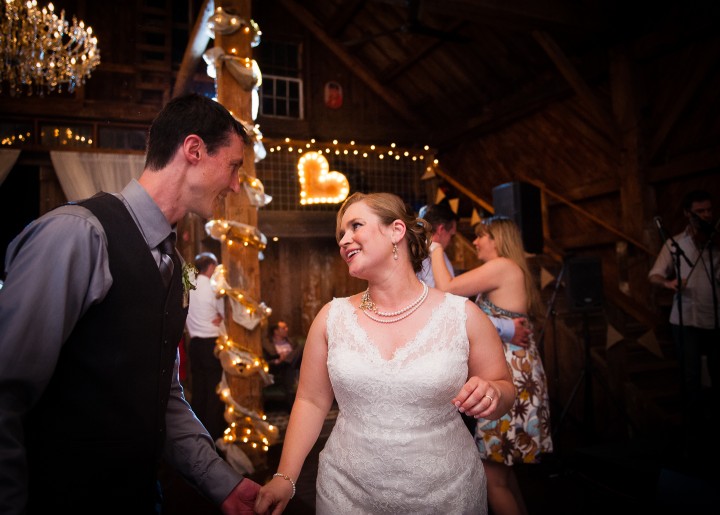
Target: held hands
478 398
274 497
241 500
522 333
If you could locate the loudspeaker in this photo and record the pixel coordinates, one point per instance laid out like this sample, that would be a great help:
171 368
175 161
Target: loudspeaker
584 283
520 201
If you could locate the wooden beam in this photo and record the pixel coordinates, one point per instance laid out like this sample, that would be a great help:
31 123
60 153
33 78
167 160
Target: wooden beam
395 101
530 98
583 91
587 215
197 44
462 189
686 165
343 15
517 14
700 68
417 54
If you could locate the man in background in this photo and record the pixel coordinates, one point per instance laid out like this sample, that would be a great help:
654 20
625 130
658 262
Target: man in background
204 325
695 326
444 226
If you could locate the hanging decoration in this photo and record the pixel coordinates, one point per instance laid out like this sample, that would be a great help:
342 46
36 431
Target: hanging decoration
245 426
224 22
318 185
246 311
255 190
333 95
243 69
236 232
253 130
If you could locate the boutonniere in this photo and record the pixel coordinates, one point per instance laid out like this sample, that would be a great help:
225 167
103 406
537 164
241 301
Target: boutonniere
189 279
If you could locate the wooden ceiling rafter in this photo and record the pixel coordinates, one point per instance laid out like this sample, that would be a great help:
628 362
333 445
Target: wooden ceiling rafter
698 69
396 102
197 44
520 14
579 85
686 165
343 16
498 114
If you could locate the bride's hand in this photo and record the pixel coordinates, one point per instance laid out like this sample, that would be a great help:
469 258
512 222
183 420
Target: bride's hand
477 398
273 497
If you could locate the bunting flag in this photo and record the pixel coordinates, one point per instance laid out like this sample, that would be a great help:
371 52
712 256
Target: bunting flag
613 337
454 204
429 173
545 278
475 219
649 341
439 196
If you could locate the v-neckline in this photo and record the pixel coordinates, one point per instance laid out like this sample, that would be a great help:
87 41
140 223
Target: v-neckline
408 344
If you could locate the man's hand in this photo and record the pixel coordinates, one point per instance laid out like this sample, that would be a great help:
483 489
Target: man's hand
241 500
522 333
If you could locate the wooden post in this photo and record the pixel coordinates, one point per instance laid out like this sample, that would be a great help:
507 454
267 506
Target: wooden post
241 261
633 205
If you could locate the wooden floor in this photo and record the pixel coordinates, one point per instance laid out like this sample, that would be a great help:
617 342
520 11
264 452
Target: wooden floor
583 476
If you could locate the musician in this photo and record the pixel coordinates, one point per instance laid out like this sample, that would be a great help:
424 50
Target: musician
695 315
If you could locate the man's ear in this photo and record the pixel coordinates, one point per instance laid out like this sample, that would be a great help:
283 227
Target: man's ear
192 148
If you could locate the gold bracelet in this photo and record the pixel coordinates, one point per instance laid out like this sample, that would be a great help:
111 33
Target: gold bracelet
287 478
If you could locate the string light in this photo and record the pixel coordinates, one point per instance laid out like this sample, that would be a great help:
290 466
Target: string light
366 151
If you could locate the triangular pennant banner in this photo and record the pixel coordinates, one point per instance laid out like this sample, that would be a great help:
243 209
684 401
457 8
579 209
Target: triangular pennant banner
429 173
613 337
439 196
454 203
649 341
545 278
475 218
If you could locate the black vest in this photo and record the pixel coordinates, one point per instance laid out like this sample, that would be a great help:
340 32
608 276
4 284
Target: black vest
99 428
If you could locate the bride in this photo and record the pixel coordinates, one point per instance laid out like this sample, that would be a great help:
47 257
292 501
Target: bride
402 360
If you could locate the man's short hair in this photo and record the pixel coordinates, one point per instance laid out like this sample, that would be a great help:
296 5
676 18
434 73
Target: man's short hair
438 214
204 260
695 196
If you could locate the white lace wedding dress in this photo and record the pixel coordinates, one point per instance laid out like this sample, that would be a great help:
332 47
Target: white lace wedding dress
399 446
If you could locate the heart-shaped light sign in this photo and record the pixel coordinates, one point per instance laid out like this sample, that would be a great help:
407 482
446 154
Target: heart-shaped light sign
318 185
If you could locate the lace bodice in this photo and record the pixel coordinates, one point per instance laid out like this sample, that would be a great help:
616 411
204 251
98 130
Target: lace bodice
399 445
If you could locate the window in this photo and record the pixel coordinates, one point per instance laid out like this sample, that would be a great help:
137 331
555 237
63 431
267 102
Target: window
281 93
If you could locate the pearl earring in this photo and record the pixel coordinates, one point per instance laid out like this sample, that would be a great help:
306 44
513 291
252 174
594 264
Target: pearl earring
395 254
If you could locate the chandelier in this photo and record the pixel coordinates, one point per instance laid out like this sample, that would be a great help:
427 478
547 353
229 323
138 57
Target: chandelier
41 52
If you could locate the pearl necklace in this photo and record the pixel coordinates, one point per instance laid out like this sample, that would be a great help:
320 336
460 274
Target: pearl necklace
367 305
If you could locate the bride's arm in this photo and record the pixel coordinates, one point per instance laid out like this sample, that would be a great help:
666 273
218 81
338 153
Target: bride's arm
313 401
489 392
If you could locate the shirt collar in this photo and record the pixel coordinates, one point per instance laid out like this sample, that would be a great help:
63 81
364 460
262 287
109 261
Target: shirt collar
147 214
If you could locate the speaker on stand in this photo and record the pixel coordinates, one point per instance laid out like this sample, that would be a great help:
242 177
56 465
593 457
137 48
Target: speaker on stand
584 289
520 201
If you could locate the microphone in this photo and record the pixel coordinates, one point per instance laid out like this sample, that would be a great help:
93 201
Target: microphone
666 238
661 229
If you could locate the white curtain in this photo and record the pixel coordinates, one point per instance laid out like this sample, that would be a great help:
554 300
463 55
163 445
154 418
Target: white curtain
7 161
82 174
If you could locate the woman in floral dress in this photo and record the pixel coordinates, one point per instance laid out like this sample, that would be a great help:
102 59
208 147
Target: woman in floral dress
505 288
